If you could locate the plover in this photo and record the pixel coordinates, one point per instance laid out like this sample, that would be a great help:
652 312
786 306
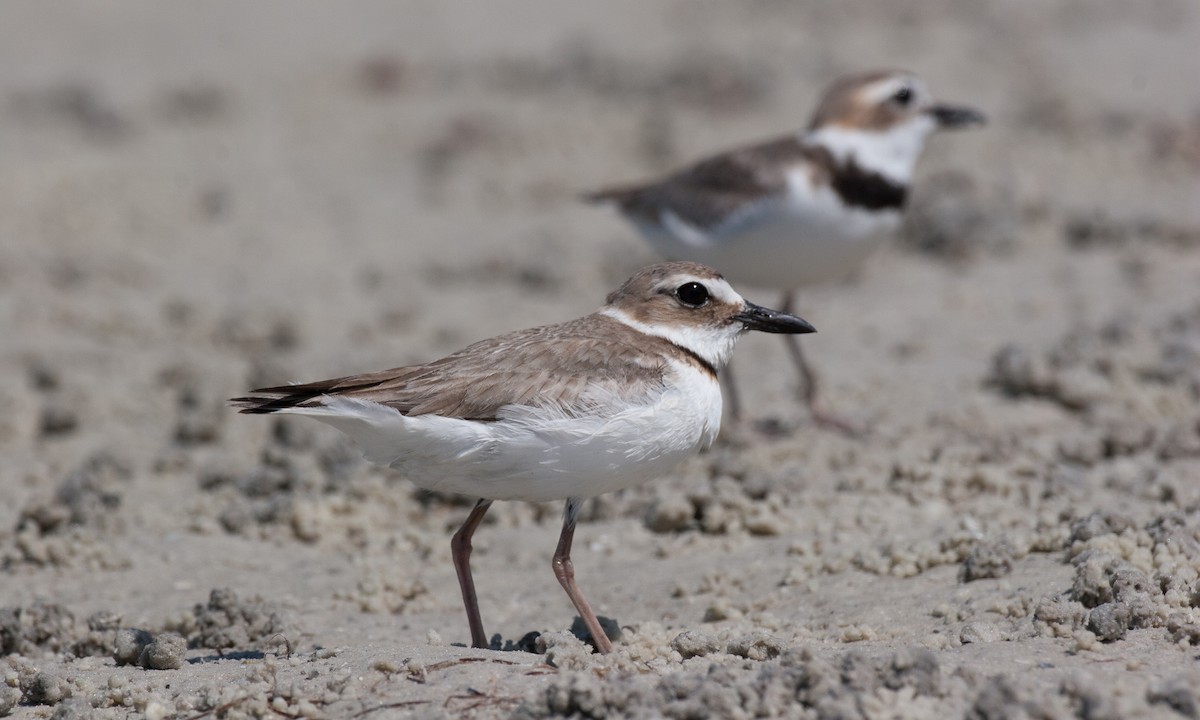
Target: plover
801 209
565 411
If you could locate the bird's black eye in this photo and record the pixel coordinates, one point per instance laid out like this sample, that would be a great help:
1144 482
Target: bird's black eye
903 96
692 294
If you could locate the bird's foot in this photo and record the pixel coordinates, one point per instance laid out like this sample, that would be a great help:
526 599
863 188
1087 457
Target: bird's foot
826 419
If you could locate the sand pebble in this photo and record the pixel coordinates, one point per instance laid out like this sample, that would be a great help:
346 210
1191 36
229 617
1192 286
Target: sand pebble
756 646
980 632
695 643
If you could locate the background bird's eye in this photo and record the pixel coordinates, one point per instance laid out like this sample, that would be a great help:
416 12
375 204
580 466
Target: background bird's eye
693 294
903 96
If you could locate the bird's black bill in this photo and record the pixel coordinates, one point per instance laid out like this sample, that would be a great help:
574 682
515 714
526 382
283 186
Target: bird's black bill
953 116
757 317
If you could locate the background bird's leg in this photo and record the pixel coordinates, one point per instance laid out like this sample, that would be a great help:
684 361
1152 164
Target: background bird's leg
460 550
731 391
810 390
564 570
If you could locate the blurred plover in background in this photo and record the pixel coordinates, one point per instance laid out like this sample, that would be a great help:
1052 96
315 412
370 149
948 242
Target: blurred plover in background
566 411
805 208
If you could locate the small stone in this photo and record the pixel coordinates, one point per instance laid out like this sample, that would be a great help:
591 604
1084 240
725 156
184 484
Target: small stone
73 709
157 710
979 632
129 645
1097 524
165 652
386 666
1109 621
721 609
47 689
1129 583
1091 585
563 650
9 697
695 643
759 520
858 633
756 646
992 559
1085 641
1181 630
1017 373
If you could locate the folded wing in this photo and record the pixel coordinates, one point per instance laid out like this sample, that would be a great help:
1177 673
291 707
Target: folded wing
715 194
569 367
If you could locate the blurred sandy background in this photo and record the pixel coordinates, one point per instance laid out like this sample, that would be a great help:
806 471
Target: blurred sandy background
199 198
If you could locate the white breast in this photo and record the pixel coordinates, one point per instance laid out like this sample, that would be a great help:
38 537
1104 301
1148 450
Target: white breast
540 454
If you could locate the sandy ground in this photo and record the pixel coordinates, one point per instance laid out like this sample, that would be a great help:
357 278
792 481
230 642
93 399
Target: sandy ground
199 198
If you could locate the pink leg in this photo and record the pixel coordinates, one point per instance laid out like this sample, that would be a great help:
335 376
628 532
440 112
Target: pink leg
731 392
808 378
564 570
460 550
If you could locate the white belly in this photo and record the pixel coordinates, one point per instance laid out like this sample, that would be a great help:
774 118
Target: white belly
533 454
808 238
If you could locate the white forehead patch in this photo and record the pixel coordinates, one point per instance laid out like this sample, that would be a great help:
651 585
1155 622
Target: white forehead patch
718 288
879 91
